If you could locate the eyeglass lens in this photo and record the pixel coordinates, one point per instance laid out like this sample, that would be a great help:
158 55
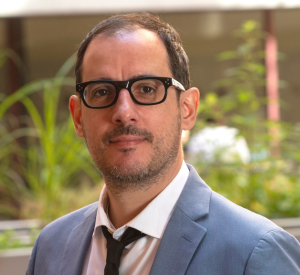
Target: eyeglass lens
146 91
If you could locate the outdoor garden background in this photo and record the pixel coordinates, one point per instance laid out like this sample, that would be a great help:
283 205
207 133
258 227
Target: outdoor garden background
46 170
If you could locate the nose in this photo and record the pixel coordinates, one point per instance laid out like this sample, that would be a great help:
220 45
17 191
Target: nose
125 109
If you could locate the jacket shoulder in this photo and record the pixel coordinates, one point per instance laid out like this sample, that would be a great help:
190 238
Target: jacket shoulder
235 218
237 241
65 224
49 247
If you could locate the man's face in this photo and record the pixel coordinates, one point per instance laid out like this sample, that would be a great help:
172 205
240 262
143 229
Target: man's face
132 144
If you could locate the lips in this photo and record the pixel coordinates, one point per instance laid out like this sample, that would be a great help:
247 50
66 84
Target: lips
127 135
127 140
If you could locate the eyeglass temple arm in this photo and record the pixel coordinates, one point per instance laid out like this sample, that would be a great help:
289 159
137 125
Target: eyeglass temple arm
177 84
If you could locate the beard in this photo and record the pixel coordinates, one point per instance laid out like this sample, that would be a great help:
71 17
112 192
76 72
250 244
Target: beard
136 175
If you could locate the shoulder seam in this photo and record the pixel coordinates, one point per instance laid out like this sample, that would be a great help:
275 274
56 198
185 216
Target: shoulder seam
270 231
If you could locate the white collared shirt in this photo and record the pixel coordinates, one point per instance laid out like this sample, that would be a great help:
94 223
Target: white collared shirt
137 257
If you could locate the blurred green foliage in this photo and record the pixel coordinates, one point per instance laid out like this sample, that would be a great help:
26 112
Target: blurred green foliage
53 173
9 239
269 184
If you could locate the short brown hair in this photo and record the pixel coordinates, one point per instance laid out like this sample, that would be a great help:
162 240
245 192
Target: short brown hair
178 60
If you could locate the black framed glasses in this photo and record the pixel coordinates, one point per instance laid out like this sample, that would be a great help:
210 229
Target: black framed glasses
100 94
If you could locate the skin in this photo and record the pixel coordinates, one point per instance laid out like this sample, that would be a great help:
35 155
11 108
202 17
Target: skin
155 141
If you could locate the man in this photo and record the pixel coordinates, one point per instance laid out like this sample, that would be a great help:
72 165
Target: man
134 100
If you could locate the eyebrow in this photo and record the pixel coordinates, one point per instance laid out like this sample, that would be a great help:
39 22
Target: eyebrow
134 77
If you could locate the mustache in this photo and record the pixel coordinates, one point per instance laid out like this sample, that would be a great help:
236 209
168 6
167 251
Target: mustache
127 130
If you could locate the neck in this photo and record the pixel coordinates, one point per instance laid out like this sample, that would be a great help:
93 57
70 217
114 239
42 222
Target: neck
127 204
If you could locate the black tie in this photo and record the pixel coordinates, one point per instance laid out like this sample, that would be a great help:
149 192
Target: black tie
115 248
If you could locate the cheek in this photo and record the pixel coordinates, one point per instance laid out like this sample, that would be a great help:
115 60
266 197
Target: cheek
165 117
154 121
93 124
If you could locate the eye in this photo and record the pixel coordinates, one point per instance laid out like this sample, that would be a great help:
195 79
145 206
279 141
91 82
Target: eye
146 90
101 93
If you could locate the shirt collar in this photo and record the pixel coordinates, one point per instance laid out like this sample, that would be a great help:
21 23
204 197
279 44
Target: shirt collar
154 218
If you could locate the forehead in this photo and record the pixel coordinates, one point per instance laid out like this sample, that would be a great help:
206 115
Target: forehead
125 55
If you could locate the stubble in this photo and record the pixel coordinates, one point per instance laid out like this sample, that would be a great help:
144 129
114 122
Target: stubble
138 175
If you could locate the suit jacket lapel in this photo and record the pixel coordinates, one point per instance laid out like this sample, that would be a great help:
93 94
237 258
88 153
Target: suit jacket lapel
183 234
78 244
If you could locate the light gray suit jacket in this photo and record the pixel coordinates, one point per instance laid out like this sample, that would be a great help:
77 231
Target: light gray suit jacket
207 234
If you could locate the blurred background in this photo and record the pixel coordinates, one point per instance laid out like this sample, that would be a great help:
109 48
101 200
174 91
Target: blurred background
245 60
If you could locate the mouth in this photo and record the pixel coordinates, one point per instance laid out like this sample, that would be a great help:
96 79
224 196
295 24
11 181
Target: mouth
127 136
127 140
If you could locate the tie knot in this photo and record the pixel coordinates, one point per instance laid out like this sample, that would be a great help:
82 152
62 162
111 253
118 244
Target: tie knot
115 248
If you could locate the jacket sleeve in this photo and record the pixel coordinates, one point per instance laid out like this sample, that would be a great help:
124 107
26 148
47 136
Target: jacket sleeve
276 253
31 263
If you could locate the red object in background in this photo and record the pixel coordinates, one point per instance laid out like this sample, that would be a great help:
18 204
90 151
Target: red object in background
272 79
273 109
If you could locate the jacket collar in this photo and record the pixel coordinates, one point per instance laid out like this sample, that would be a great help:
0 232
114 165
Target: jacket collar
183 234
78 243
195 197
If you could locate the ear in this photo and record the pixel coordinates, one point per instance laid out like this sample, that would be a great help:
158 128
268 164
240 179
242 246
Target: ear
189 103
75 109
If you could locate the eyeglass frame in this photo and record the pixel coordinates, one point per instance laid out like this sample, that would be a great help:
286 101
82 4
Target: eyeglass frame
127 84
